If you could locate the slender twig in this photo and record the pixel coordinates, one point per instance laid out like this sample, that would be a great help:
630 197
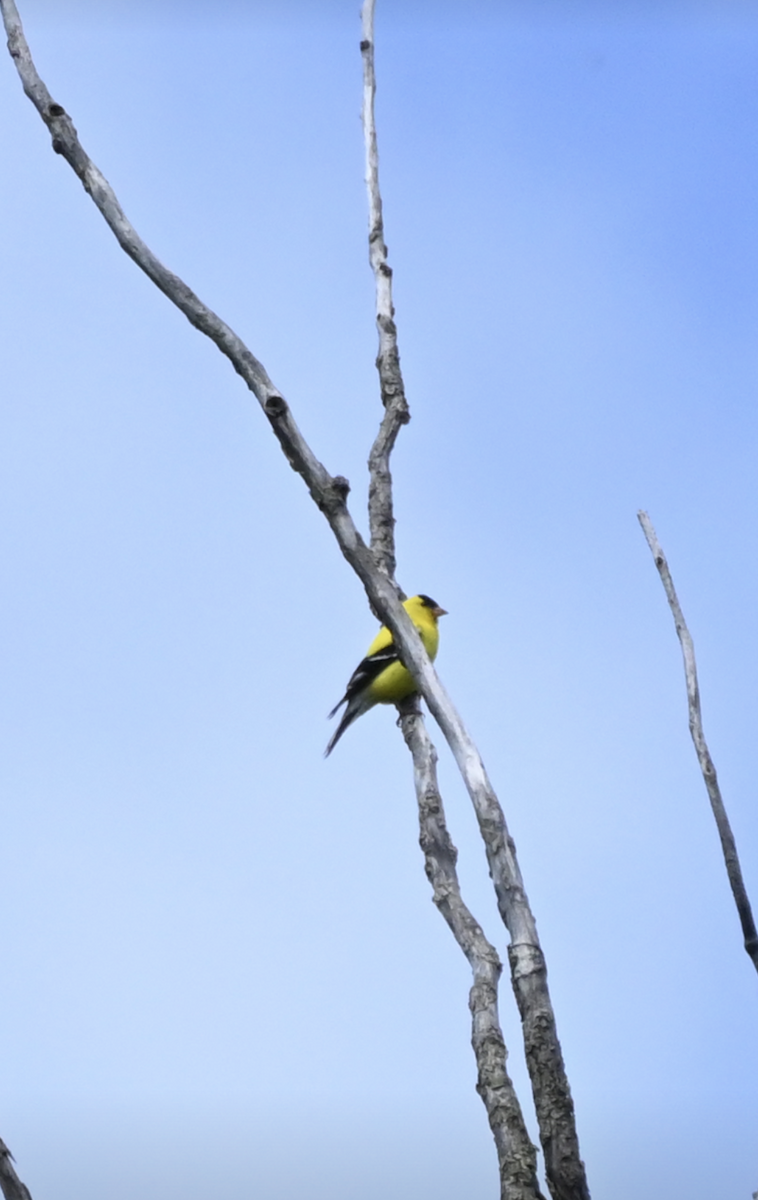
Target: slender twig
11 1185
517 1157
728 844
396 412
555 1112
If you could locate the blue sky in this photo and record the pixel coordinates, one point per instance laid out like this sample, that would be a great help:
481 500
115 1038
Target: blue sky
221 955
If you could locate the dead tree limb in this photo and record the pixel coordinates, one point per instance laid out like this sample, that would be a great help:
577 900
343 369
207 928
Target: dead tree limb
12 1187
728 844
517 1157
552 1097
550 1088
396 412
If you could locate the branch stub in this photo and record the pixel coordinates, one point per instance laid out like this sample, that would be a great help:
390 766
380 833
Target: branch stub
275 406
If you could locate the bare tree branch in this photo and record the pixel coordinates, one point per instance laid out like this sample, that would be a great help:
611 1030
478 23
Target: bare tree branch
564 1169
552 1096
12 1187
396 412
728 845
517 1157
66 143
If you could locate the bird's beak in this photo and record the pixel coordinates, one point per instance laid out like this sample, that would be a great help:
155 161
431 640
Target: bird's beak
439 612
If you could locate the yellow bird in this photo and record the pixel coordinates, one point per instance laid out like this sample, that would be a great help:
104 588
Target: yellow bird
381 678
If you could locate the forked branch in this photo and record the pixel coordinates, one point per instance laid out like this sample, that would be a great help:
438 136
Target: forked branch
517 1157
728 844
555 1113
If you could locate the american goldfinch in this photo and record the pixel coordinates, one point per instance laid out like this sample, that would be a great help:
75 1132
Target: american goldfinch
381 678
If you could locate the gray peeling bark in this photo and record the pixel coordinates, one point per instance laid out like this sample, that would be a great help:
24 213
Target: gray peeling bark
553 1104
517 1158
12 1187
396 412
563 1167
728 844
552 1097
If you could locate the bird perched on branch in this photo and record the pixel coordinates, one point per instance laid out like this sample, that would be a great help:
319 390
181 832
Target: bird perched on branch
381 678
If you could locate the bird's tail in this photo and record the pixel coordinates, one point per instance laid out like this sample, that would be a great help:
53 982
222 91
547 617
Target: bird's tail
355 708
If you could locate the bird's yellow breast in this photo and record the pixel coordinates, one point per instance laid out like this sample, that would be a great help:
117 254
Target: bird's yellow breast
395 682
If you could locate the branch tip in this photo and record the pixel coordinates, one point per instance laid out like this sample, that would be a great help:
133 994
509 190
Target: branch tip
707 766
